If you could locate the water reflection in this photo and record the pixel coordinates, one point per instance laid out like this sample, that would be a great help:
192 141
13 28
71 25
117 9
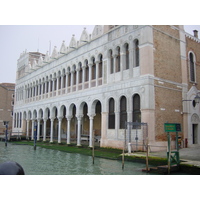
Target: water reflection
52 162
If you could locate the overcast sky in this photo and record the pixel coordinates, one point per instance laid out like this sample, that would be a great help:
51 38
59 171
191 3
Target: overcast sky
14 39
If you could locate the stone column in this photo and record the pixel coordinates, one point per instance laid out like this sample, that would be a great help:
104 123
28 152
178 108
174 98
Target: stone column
79 118
72 81
97 73
114 63
45 87
38 129
53 88
122 63
45 129
77 78
42 89
131 65
59 129
91 129
68 128
83 79
32 133
57 85
51 134
61 87
27 130
66 83
90 74
49 90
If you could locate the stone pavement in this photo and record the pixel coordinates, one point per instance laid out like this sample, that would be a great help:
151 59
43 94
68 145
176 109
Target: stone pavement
188 156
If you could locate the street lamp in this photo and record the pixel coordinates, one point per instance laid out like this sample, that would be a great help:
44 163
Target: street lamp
197 98
6 133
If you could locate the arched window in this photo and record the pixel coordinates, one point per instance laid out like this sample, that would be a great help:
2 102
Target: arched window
69 79
80 72
111 62
127 56
93 69
74 74
118 60
100 66
111 120
59 82
137 53
123 112
192 67
64 80
86 71
136 108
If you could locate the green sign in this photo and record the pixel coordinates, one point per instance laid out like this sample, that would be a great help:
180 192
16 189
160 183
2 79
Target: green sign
172 127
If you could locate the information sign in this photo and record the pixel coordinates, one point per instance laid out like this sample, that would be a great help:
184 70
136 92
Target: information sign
172 127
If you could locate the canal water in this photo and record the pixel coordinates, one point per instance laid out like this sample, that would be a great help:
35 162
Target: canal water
53 162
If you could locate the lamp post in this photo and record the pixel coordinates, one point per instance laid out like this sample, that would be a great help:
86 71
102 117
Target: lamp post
6 133
197 98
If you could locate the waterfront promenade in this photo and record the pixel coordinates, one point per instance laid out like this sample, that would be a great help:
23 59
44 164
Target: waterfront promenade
189 157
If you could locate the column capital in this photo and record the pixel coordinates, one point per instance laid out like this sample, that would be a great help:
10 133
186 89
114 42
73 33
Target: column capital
45 119
69 117
60 118
91 116
79 117
52 118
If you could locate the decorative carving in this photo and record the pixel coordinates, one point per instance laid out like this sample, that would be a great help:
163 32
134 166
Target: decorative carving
73 43
126 29
54 53
195 118
130 37
98 31
63 47
84 37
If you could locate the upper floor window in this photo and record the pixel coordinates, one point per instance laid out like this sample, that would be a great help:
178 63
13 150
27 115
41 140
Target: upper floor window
118 60
137 53
86 71
192 67
93 69
127 56
111 62
100 66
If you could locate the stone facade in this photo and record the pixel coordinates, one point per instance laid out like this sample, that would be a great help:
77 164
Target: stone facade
116 74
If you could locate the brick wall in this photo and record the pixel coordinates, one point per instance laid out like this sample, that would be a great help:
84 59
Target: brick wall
194 46
167 62
167 66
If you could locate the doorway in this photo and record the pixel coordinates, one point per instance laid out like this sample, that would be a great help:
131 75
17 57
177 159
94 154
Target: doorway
194 133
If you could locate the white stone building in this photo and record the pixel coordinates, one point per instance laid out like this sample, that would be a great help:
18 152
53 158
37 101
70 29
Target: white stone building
114 75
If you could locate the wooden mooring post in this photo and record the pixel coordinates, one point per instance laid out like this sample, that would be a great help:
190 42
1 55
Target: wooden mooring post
123 149
93 148
147 155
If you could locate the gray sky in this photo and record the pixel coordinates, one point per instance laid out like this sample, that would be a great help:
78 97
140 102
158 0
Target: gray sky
14 39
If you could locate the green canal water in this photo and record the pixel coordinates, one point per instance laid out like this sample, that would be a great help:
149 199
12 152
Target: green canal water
53 162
